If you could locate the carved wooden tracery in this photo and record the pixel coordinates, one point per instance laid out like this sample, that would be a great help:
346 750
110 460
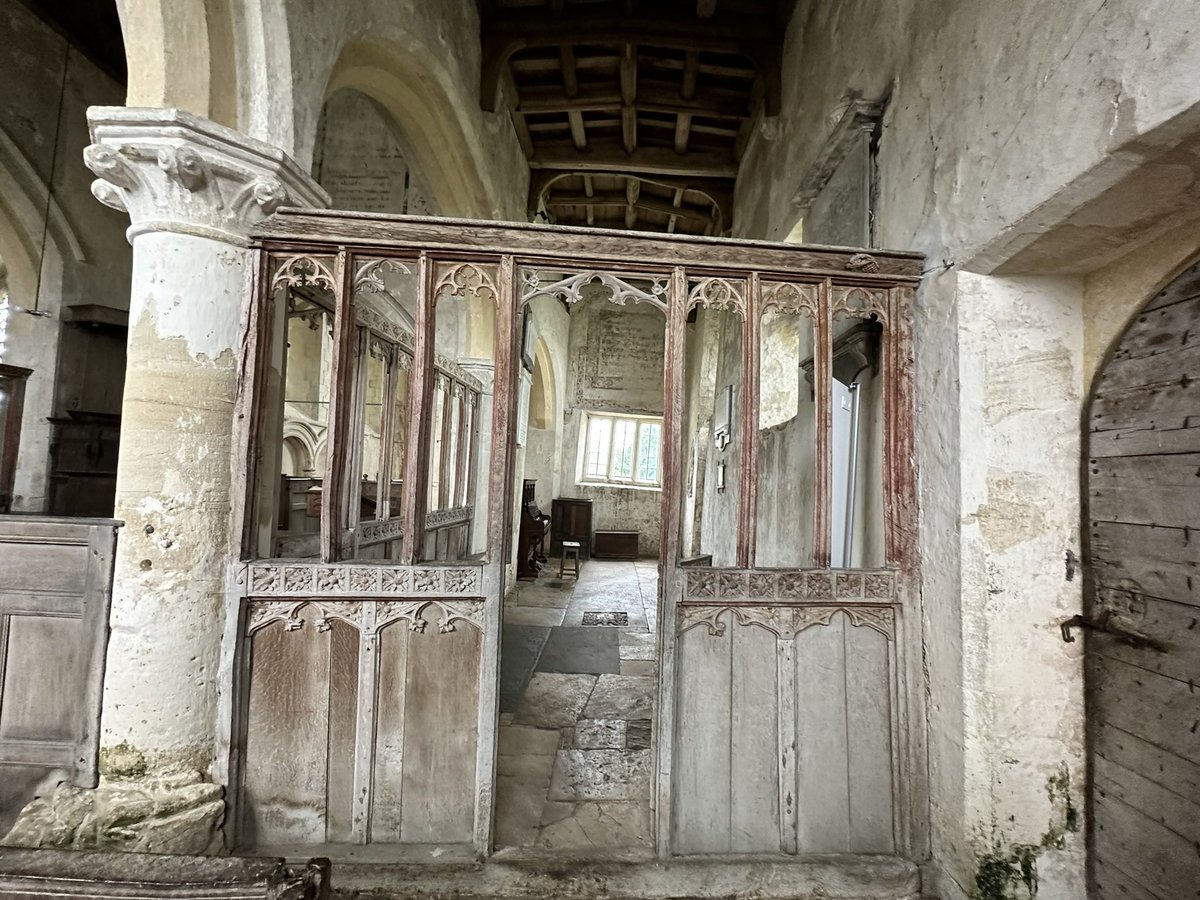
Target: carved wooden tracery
303 271
469 281
367 616
506 266
569 289
718 293
789 298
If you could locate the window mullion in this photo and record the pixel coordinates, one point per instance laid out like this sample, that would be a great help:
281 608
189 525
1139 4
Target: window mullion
637 443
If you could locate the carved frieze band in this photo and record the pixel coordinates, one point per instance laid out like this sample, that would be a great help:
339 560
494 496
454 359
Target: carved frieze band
799 586
393 331
276 579
440 518
369 616
386 530
785 621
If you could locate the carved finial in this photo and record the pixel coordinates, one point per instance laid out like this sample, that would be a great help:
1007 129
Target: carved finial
862 262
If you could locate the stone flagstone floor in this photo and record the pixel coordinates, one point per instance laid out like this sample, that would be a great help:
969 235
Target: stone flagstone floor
575 710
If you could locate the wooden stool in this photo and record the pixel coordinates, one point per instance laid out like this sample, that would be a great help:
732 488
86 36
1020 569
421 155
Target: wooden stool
569 548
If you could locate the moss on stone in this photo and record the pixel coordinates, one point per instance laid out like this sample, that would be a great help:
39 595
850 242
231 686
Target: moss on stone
999 875
122 761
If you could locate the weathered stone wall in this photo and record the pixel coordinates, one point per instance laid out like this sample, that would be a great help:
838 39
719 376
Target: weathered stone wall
360 159
1003 122
86 257
420 61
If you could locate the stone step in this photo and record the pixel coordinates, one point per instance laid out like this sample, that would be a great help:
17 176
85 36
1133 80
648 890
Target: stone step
144 876
526 875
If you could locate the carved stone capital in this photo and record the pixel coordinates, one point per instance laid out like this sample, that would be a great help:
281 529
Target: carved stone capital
175 172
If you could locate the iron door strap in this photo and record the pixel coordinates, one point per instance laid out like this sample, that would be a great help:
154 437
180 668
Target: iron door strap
1103 624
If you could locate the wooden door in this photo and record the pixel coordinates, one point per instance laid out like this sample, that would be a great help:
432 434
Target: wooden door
1143 604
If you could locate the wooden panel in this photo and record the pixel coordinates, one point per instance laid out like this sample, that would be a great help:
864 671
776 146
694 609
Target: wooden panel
1133 440
1162 710
1110 883
43 568
1162 562
389 734
1160 766
702 779
868 739
45 675
343 708
1160 860
55 586
1169 505
440 735
1160 620
823 782
287 736
754 741
1179 813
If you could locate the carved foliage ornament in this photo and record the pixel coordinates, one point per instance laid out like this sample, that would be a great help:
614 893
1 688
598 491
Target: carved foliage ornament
803 586
179 187
570 288
283 579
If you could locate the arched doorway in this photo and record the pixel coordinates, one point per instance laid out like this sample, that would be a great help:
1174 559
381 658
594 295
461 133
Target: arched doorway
1142 605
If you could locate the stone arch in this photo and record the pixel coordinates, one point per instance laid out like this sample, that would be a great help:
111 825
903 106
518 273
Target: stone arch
225 60
542 395
304 444
411 83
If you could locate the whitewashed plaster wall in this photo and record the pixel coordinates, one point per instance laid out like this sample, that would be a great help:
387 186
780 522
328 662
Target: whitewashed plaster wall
86 257
1003 121
616 366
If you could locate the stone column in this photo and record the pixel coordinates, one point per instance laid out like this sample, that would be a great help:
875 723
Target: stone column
192 189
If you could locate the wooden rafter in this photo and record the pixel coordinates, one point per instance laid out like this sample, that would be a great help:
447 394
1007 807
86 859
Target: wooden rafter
629 89
607 156
759 39
650 98
620 199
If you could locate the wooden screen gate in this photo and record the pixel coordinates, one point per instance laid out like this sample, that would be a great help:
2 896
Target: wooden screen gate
1143 604
378 401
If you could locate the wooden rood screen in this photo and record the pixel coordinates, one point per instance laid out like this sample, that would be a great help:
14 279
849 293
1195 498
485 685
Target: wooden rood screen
379 407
